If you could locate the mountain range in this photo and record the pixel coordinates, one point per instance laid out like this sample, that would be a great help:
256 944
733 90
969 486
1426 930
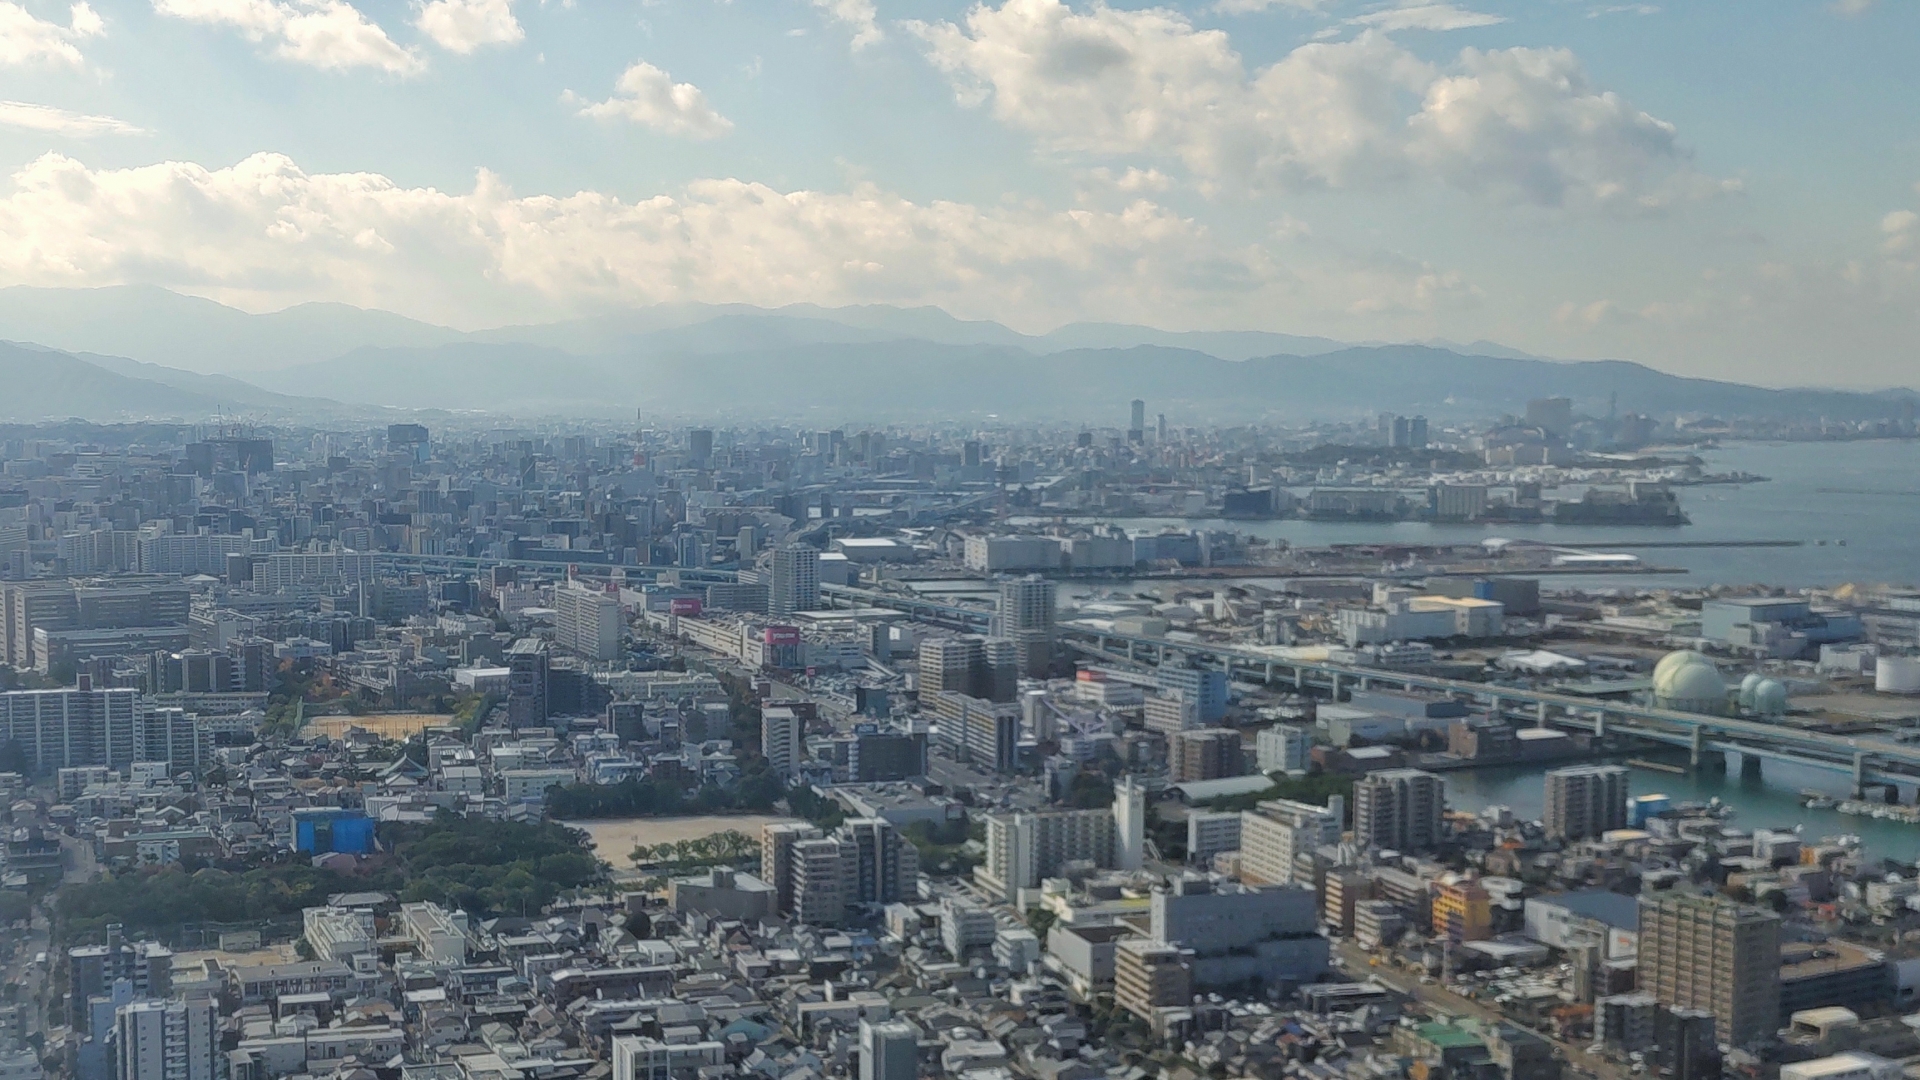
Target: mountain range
137 352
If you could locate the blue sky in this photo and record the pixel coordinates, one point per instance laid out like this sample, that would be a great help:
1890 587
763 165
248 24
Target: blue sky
1724 190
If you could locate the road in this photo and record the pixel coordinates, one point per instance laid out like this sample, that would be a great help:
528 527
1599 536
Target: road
1442 999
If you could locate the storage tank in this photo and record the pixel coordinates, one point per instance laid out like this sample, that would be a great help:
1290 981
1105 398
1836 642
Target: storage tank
1747 687
1691 684
1897 675
1770 698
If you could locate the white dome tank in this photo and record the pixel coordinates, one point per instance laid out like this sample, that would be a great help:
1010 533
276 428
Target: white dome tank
1691 685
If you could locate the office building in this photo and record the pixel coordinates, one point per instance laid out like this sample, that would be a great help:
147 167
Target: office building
886 865
889 1050
1399 810
1283 748
1149 976
1205 690
998 678
1206 754
1688 1049
783 733
949 665
1277 832
527 664
1585 801
1137 422
1210 834
587 622
167 1040
1235 934
1703 952
700 447
794 581
1025 617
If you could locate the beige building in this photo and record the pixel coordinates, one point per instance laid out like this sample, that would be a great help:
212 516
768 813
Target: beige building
1702 952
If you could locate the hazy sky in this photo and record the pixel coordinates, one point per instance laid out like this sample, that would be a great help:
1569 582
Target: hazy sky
1718 189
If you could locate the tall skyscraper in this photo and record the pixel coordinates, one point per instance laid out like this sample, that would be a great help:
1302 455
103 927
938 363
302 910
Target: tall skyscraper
783 733
794 584
1585 800
167 1040
1137 425
700 447
1129 824
1399 809
1704 952
889 1050
1025 616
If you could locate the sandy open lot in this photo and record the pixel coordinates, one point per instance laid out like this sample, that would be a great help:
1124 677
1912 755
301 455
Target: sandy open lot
613 839
396 726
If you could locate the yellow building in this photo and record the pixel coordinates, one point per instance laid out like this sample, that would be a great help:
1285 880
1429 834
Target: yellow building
1462 910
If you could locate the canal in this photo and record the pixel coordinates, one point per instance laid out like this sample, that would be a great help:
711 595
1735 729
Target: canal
1770 801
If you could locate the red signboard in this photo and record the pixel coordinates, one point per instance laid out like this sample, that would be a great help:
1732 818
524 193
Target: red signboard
782 635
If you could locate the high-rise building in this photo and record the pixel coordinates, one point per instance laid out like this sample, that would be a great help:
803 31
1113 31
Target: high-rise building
1149 976
823 874
1688 1048
527 683
1129 824
1585 800
1206 754
93 969
886 865
59 729
1398 809
700 447
167 1040
1137 423
889 1050
998 679
587 622
1705 952
1283 748
776 858
783 733
1025 616
1462 909
949 664
794 583
1276 832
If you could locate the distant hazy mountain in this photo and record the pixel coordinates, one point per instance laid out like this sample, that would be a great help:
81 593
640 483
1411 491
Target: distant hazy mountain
886 379
798 362
162 327
45 385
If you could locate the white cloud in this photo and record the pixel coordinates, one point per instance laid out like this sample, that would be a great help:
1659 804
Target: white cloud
27 40
26 116
1246 7
465 25
326 34
263 233
858 16
649 97
1101 82
1435 17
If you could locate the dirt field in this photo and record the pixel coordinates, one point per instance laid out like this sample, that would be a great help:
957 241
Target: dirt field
396 726
612 840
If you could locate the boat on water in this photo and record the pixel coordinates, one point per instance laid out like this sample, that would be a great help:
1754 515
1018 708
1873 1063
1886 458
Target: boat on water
1817 800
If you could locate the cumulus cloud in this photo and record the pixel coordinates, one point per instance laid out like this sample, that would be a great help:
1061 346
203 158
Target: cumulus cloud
856 15
25 116
647 96
1522 124
26 40
462 26
327 34
264 233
